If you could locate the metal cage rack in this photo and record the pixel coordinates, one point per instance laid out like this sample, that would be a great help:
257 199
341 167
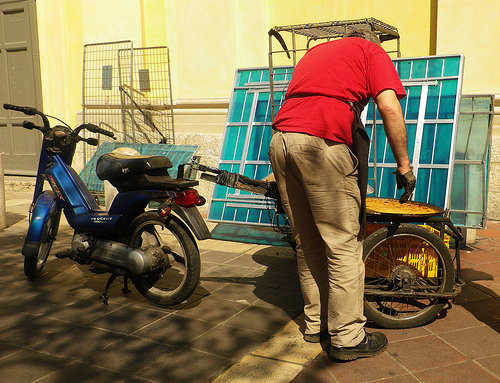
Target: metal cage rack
318 31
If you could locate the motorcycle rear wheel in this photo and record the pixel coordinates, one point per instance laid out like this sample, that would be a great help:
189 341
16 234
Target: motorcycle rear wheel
175 284
405 259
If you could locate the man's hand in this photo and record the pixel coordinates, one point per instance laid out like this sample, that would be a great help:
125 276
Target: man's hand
406 181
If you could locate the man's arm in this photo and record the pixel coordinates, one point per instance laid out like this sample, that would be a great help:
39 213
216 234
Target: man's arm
394 126
395 130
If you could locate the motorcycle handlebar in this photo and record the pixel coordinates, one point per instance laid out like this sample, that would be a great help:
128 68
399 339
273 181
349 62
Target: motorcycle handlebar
95 129
24 109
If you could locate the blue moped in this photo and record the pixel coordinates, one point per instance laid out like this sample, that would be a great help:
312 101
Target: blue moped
149 233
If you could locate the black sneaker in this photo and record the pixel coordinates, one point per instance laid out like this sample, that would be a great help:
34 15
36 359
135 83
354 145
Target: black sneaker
373 344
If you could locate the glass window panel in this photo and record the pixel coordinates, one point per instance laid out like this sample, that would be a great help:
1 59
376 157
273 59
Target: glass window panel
242 77
458 195
448 99
466 104
413 101
262 171
280 74
254 146
241 214
249 170
444 133
403 102
432 102
233 142
474 189
422 185
482 104
266 140
478 137
427 146
220 191
404 69
418 69
463 131
229 213
437 186
381 141
387 183
256 76
263 109
435 68
247 107
239 97
411 133
216 209
451 66
253 215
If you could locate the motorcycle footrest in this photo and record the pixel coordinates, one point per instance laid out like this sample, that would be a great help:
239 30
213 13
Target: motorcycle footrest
64 254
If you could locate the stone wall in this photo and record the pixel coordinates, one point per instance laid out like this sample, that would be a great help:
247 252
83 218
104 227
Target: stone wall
493 207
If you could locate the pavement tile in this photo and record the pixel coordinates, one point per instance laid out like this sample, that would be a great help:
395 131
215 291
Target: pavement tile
451 320
79 311
476 342
244 291
491 364
64 344
397 335
424 353
184 365
81 372
32 330
466 372
8 350
229 342
315 372
288 300
288 345
490 287
175 330
127 319
212 309
240 325
29 365
252 318
487 311
128 355
470 293
252 369
364 369
478 256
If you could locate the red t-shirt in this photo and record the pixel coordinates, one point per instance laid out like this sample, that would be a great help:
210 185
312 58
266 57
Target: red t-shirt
349 69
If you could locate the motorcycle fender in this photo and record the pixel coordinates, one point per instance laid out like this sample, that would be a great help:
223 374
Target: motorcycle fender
45 207
192 217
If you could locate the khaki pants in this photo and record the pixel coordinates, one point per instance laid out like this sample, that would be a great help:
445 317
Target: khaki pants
317 180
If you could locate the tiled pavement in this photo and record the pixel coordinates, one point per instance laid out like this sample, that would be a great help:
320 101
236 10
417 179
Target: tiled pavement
241 325
461 345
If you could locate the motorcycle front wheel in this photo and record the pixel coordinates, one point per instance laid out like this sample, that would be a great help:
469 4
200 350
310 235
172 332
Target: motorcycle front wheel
405 266
33 263
177 281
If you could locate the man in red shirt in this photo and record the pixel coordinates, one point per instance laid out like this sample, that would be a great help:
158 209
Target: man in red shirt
321 175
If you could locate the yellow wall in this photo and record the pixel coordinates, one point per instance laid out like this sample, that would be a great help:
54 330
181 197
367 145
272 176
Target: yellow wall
411 18
473 28
60 43
210 39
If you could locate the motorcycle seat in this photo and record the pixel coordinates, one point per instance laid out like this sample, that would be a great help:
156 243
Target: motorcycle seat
139 172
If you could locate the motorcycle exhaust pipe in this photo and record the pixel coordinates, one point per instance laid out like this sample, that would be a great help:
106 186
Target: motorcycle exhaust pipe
135 260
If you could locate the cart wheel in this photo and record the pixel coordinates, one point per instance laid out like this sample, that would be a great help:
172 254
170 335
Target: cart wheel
403 264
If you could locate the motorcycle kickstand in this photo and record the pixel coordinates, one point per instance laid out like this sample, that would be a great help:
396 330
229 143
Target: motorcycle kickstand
125 289
104 297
